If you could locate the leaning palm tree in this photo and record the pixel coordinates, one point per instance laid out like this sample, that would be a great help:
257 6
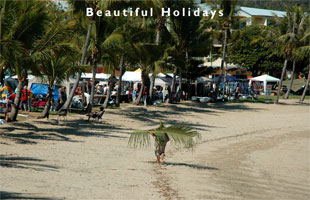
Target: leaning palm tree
292 25
55 69
302 31
79 6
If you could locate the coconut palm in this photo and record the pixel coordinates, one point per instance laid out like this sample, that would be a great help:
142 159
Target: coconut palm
79 7
287 33
225 22
178 134
302 32
147 55
56 69
25 25
188 38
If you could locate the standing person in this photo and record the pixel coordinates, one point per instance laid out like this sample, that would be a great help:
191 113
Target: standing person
24 104
62 97
144 93
237 92
134 94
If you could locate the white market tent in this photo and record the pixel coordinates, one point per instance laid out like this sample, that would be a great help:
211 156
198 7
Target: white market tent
99 76
265 79
161 79
29 76
132 76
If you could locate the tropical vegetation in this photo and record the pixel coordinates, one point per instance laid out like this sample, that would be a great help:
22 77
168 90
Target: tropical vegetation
55 43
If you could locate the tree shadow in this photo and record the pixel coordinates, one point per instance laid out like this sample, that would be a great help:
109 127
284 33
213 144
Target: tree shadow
15 195
152 117
25 163
30 133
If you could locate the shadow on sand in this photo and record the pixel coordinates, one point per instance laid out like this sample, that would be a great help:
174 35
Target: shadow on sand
25 163
14 195
194 166
32 132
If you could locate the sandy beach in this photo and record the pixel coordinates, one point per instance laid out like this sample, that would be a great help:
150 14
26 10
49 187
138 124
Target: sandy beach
247 151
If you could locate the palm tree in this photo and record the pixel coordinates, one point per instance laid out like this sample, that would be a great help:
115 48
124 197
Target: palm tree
225 23
80 6
293 25
146 56
302 31
188 38
25 23
101 31
56 69
178 134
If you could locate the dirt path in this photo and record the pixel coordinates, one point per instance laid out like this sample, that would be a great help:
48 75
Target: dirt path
248 151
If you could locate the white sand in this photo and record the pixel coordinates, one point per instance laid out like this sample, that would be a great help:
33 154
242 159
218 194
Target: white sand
248 151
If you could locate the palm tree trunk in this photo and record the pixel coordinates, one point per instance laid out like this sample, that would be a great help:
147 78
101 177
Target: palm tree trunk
180 85
222 63
225 78
111 88
280 84
144 76
76 83
287 94
151 88
15 105
173 84
92 94
119 89
306 87
45 112
154 75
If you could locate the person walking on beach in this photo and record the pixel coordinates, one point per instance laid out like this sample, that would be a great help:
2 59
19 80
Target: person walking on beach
160 146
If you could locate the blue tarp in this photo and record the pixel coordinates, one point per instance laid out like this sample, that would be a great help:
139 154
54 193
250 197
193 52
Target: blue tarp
228 78
41 89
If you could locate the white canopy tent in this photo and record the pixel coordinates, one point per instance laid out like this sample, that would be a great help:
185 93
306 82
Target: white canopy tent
265 79
132 76
29 76
161 79
99 76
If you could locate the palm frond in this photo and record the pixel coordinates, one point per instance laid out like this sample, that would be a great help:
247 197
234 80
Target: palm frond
139 139
180 135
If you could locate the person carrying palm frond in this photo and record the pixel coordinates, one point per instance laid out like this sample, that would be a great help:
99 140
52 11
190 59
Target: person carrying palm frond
178 134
